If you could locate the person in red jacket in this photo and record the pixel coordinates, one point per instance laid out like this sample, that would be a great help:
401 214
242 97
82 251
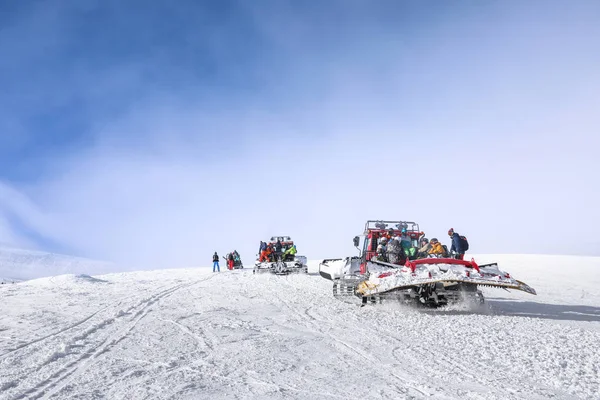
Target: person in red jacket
230 261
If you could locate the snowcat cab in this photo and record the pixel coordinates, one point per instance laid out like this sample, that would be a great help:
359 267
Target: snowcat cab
431 282
351 267
375 230
283 263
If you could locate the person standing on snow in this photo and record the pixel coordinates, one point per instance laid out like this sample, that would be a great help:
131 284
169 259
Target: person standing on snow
457 246
230 261
216 262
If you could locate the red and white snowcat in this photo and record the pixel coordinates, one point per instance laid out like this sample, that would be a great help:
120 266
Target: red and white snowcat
430 282
281 263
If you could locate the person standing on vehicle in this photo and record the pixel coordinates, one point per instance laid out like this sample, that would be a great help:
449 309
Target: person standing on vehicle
216 262
457 245
395 253
278 251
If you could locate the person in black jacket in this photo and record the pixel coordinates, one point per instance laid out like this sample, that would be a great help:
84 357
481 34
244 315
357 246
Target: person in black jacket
278 247
216 262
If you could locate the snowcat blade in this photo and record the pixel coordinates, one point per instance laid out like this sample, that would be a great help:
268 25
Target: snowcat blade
368 288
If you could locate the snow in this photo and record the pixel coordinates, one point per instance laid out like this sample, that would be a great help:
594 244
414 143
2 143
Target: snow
191 333
22 264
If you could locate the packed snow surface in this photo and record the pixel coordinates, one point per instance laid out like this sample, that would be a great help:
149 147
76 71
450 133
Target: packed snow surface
192 333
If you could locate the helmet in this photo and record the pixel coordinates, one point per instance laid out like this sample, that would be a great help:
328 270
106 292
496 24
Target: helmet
383 239
434 240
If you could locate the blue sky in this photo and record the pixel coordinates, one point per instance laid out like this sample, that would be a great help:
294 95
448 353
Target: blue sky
153 133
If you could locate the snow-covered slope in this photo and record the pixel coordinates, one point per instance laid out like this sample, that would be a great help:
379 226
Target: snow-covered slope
20 264
191 333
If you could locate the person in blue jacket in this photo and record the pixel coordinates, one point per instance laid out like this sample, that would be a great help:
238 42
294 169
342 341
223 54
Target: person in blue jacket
457 246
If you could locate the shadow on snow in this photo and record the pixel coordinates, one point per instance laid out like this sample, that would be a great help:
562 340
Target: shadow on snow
530 309
546 311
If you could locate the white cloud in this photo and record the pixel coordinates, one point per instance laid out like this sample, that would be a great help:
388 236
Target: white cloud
325 145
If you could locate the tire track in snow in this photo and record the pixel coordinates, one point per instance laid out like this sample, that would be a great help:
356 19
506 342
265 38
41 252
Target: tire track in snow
473 370
24 346
303 314
415 353
51 335
250 379
202 341
65 374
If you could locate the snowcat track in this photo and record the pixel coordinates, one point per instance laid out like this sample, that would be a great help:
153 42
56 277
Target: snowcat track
433 299
425 295
345 290
282 270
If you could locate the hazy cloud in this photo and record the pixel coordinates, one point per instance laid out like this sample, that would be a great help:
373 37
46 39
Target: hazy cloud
485 121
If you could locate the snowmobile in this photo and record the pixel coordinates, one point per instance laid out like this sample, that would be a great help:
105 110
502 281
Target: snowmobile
430 282
281 263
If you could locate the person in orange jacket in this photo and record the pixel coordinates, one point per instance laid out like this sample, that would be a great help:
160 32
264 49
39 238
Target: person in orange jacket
264 256
436 247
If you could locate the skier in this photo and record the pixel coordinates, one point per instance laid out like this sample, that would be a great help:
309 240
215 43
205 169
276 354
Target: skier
457 245
216 262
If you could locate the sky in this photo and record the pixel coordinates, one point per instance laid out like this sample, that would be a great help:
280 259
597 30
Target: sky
152 134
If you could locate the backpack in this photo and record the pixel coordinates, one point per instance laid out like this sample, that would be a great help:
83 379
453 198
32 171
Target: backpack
464 243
